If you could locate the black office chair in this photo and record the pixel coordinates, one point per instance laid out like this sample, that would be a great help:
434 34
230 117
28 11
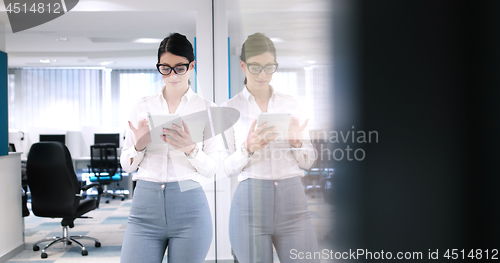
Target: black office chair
56 192
104 164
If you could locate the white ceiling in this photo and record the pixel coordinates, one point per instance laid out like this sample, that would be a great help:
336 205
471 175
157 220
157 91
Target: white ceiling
104 30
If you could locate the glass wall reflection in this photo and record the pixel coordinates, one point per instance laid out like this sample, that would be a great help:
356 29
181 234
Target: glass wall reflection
281 184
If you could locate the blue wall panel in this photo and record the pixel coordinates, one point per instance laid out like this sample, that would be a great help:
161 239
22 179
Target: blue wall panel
4 108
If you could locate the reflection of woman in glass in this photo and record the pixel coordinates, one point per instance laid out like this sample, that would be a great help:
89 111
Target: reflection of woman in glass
163 215
269 206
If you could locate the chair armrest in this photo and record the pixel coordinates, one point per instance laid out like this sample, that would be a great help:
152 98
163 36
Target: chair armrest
97 186
99 191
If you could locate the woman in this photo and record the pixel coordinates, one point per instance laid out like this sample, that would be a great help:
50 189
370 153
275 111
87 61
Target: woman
163 214
269 205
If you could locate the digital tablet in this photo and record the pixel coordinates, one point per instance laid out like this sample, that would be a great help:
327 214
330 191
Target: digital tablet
279 120
159 121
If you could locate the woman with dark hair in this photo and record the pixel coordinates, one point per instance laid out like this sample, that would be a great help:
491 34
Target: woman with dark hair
169 208
269 205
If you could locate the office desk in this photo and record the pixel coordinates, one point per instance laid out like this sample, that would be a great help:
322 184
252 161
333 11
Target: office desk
11 219
82 164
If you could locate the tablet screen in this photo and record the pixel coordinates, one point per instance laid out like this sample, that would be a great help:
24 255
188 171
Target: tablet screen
279 120
157 122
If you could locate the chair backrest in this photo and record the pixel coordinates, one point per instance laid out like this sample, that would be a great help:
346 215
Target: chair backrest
52 180
103 159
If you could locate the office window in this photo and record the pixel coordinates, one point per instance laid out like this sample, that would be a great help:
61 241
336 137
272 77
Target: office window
131 85
71 98
286 81
11 78
55 98
318 82
311 85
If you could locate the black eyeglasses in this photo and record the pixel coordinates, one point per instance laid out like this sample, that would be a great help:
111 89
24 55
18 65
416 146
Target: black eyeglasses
257 68
179 69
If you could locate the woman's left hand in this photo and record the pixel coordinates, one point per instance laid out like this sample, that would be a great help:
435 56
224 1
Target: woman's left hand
295 132
180 139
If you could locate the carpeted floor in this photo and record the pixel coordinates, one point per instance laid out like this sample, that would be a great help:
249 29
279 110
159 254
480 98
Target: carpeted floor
108 224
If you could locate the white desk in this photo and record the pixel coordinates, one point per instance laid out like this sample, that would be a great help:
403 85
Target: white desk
11 220
81 162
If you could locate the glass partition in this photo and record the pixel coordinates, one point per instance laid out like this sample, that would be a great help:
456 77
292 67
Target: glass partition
266 202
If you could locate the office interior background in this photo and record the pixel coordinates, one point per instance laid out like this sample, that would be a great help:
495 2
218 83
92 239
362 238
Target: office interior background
422 73
60 64
79 75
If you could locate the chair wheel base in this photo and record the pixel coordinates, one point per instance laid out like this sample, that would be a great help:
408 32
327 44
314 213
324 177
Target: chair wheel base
97 244
85 252
36 248
44 255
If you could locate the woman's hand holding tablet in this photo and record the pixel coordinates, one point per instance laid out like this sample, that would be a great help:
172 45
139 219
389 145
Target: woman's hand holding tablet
180 139
259 137
280 121
158 121
142 134
285 128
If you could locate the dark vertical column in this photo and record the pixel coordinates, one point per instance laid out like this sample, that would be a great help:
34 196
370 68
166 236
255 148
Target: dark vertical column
481 34
4 106
348 184
425 76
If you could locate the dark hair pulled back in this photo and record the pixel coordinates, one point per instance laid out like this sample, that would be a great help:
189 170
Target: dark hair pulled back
255 45
178 45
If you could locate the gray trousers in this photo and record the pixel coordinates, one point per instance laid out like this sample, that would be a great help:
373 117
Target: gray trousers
162 216
266 213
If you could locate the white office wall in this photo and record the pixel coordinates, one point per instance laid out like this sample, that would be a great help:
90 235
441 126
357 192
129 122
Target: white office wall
2 37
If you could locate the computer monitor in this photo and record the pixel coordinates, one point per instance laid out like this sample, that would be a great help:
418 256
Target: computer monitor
53 138
107 138
12 147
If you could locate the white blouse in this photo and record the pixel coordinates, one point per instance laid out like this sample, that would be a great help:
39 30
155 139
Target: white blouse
162 162
277 160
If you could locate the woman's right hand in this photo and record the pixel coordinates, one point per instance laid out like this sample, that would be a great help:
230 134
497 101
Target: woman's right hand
257 139
142 134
